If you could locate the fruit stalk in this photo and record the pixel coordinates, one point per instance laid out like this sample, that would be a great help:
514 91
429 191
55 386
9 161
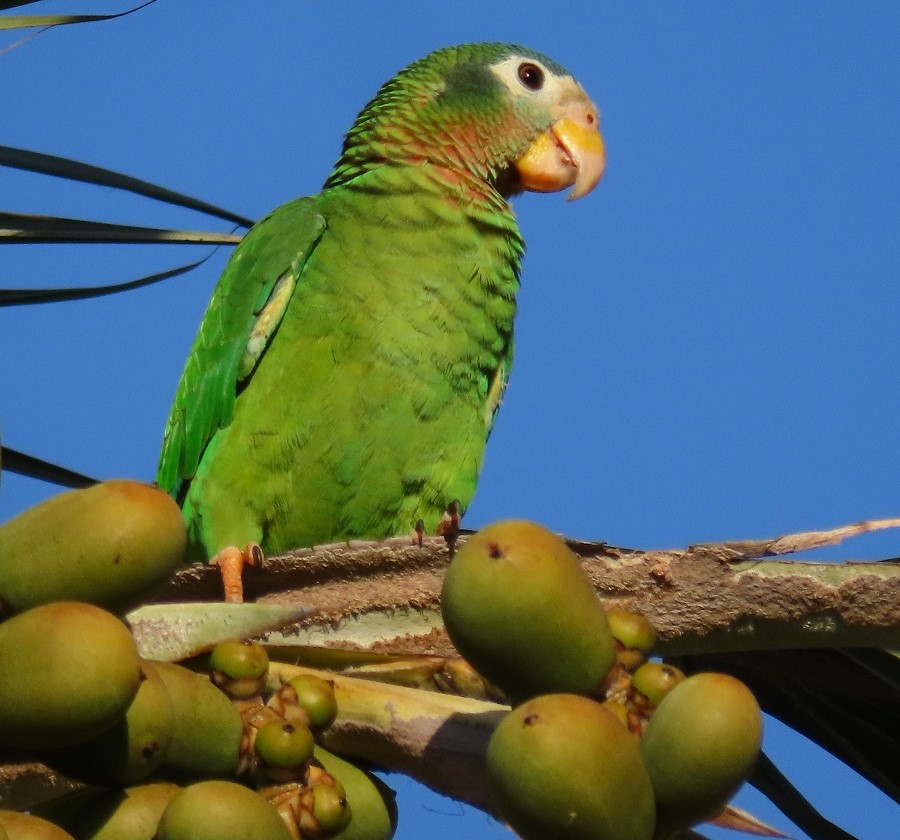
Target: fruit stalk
404 729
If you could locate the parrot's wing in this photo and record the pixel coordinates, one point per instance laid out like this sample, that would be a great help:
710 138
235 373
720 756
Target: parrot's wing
242 317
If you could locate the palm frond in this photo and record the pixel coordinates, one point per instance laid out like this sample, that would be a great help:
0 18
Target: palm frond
22 297
30 21
12 460
75 170
774 785
16 228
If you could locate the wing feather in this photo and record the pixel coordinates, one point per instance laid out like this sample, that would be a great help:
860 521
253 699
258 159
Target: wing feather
240 321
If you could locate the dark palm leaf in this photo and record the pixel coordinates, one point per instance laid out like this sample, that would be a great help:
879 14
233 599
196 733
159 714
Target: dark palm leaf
74 170
21 297
16 228
20 462
29 21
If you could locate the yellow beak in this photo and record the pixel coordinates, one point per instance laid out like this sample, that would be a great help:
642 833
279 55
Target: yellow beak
568 154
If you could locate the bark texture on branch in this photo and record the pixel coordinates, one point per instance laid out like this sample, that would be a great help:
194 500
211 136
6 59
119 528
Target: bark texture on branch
723 596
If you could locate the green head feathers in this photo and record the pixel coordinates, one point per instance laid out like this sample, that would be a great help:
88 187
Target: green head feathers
473 107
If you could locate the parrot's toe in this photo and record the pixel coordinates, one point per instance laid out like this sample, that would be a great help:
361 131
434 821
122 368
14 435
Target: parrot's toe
418 534
231 561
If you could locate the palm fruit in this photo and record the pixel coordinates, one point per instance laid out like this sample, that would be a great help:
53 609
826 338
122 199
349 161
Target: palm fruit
562 767
220 810
239 668
306 700
316 697
109 545
283 749
371 802
517 604
632 629
207 728
330 808
133 748
16 826
634 635
69 672
129 814
655 680
699 747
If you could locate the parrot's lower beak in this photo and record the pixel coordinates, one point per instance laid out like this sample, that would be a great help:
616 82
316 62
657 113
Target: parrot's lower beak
568 154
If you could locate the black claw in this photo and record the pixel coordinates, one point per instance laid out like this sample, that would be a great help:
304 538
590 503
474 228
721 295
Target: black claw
255 555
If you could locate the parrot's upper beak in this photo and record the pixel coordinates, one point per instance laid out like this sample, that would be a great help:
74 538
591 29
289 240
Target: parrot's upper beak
568 154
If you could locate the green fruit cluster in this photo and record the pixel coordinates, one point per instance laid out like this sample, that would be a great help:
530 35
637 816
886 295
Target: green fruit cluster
601 744
181 754
90 708
75 693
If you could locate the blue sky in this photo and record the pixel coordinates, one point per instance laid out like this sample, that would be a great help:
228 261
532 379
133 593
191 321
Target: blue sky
706 346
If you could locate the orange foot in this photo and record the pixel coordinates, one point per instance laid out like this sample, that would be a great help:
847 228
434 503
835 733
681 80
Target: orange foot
230 561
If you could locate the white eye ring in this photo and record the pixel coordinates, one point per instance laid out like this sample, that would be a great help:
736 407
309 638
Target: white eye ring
530 82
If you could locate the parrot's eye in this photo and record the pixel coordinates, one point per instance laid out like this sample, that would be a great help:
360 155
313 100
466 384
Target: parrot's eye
531 76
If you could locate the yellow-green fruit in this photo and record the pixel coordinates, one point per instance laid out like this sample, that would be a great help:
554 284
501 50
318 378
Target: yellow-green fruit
69 672
283 746
239 659
239 668
129 814
207 728
632 629
133 748
699 747
561 767
316 697
656 679
372 807
109 545
519 607
26 827
219 810
331 808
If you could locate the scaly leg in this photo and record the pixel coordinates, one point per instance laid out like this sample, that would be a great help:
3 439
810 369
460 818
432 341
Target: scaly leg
231 561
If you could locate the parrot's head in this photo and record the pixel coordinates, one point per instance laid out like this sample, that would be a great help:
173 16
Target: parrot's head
494 114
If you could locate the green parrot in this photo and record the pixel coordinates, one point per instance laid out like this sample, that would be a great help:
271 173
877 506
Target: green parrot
347 372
